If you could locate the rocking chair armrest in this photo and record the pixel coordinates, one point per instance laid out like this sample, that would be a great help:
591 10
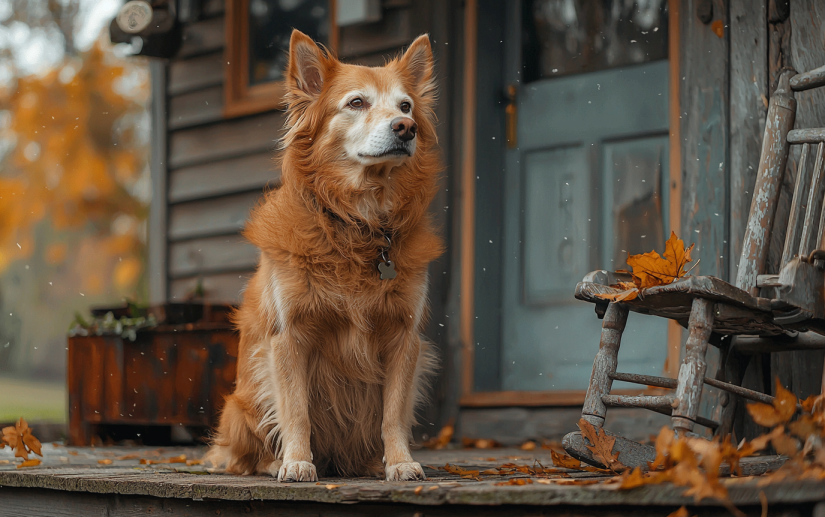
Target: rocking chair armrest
604 277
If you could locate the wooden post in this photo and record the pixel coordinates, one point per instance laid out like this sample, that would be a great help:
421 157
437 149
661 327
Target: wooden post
692 372
615 319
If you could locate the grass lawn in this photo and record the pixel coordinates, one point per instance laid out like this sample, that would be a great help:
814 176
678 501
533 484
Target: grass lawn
34 399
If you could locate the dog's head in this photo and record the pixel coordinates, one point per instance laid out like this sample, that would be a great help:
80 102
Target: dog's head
353 124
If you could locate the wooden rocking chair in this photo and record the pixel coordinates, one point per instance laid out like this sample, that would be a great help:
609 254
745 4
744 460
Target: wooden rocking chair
718 313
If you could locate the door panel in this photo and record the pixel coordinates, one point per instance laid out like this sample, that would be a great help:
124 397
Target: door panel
555 220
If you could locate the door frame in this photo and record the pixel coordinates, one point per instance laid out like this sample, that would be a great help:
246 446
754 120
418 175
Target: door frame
467 320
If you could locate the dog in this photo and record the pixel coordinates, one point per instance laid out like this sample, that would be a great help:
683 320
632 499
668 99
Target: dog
331 362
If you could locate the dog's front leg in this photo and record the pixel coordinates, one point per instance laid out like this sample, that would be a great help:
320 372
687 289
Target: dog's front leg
395 426
290 365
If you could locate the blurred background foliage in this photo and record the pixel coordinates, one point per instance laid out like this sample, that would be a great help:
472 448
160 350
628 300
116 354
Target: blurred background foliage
74 186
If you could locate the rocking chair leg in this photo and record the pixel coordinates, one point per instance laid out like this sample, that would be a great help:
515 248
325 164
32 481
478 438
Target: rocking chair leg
692 371
615 319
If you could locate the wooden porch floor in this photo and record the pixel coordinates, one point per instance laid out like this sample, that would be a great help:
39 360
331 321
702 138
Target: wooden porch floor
72 481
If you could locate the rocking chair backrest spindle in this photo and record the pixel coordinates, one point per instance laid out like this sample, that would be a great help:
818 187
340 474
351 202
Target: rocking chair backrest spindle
781 116
808 185
807 217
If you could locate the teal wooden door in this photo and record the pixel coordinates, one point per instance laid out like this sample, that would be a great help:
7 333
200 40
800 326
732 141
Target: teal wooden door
585 184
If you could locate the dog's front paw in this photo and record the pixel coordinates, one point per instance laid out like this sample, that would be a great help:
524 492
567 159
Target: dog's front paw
410 471
297 471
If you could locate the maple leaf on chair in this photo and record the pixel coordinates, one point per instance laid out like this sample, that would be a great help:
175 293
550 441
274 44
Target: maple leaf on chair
650 269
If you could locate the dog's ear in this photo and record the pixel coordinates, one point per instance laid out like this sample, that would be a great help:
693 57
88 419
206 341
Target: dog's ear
418 61
307 65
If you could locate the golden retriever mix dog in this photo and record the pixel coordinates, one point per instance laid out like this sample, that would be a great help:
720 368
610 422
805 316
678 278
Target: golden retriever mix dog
331 363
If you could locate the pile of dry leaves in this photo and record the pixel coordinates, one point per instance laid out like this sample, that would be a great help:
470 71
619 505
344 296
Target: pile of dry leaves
690 462
20 438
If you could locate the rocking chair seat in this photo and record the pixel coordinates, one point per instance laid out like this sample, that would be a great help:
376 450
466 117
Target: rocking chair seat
736 311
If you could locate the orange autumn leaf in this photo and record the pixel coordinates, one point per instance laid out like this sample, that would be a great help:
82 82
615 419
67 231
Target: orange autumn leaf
445 435
622 296
29 463
681 512
515 482
633 479
663 442
602 446
579 482
808 403
564 461
480 443
650 269
455 469
780 412
105 462
20 438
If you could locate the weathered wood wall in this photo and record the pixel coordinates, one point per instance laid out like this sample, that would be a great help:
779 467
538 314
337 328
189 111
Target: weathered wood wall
705 129
798 41
216 168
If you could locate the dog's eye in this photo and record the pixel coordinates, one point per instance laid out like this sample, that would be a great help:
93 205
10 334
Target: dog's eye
405 107
356 103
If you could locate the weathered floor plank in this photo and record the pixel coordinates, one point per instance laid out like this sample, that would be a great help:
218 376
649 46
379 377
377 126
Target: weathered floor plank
71 481
48 503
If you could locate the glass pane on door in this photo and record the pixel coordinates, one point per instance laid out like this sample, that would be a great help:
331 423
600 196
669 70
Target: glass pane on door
576 36
635 216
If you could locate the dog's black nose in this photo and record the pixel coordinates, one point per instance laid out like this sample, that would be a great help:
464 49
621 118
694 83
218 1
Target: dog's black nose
404 128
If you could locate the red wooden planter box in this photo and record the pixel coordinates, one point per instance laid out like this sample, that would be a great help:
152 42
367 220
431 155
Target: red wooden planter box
170 375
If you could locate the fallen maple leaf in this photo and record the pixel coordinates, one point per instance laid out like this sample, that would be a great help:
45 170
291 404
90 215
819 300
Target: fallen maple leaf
663 442
529 445
771 415
105 462
650 269
633 479
455 469
568 481
480 443
20 438
445 435
29 463
602 446
515 482
565 461
681 512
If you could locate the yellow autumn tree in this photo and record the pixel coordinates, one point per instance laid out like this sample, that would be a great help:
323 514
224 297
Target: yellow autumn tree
76 166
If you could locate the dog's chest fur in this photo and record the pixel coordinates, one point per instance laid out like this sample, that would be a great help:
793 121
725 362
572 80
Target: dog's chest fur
342 319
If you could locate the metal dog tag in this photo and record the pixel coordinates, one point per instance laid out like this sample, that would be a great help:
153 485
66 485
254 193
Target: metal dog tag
387 270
